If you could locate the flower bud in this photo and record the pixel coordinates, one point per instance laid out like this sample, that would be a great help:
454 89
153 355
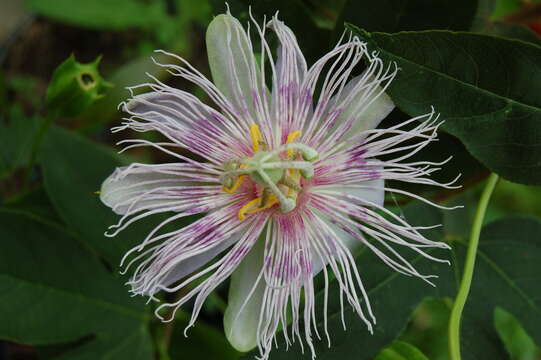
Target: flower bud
75 86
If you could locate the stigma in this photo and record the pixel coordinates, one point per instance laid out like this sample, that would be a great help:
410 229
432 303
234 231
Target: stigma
277 173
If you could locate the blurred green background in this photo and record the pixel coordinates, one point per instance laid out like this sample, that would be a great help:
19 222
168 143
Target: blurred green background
51 166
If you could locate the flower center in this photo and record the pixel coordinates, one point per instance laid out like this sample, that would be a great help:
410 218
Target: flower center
277 172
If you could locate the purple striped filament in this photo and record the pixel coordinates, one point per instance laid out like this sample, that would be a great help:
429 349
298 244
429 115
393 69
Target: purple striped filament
292 183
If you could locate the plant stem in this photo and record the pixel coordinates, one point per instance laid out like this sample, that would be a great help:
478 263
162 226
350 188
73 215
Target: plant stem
465 284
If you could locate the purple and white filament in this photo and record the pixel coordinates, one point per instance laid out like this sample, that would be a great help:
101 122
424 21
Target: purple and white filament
274 214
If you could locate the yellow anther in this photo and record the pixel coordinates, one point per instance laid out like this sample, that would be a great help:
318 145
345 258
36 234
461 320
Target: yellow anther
256 137
235 186
255 205
273 200
243 210
290 138
237 183
279 184
294 178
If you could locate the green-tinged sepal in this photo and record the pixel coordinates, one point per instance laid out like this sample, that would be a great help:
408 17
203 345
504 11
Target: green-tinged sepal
75 86
245 301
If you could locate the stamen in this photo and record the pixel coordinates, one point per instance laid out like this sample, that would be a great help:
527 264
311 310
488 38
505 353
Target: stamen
262 204
235 186
243 210
280 179
226 178
290 138
256 137
291 155
265 204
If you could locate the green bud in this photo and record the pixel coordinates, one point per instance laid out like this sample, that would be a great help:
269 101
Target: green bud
75 86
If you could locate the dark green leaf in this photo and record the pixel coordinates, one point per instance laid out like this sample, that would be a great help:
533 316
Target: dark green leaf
517 342
400 350
325 13
447 145
135 344
506 274
516 199
102 14
409 15
17 136
512 31
35 202
429 328
3 94
73 170
203 341
55 291
177 32
485 88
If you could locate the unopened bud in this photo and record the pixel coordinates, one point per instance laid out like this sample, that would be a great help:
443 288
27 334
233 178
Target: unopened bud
75 86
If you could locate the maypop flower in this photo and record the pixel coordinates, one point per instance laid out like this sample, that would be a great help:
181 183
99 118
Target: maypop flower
291 183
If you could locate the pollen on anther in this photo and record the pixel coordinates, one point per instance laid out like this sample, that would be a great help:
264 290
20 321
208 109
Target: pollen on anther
243 210
255 134
235 186
290 138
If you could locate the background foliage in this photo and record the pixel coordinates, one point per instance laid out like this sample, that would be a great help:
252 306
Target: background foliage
476 61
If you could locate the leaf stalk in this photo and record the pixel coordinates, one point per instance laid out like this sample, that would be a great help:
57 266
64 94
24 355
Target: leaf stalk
467 276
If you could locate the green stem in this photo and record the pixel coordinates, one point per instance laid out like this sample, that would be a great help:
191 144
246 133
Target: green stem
465 284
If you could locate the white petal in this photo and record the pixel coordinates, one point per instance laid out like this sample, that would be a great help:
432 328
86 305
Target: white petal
290 71
241 322
366 117
181 116
190 265
171 107
130 187
290 63
231 60
151 105
348 240
375 196
373 191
